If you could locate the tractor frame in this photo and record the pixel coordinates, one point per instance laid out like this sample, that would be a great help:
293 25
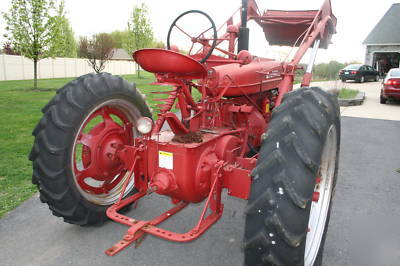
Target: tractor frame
212 144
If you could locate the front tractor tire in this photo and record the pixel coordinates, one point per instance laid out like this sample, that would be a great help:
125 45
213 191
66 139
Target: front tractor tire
72 160
289 206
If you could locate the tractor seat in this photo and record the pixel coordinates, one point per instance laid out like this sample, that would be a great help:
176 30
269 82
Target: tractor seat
161 61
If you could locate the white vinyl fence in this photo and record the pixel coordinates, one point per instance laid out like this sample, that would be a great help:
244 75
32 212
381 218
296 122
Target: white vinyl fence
14 67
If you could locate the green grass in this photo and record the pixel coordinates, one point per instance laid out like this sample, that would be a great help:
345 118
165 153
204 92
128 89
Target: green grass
20 109
346 93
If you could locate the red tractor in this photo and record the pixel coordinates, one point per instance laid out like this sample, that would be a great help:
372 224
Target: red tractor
239 128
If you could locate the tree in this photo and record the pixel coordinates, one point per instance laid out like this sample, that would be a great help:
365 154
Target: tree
8 49
328 70
119 38
158 44
98 50
140 31
67 46
32 29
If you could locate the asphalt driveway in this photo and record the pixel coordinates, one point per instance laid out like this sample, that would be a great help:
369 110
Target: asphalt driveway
364 227
371 108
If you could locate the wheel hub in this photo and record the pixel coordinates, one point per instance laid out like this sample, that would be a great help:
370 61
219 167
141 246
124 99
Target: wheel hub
101 169
101 149
106 157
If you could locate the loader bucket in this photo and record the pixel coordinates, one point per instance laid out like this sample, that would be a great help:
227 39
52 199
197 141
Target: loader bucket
286 28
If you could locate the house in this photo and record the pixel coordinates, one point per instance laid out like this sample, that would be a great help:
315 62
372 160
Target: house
383 42
121 54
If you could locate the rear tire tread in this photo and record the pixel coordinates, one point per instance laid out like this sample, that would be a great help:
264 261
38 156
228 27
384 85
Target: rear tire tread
284 168
276 222
282 180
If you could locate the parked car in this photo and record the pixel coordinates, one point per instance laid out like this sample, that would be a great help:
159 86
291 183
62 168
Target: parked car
391 85
359 73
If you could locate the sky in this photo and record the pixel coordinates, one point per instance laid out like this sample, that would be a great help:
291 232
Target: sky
356 18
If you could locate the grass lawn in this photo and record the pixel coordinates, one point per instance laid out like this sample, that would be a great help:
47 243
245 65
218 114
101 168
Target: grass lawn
346 93
20 109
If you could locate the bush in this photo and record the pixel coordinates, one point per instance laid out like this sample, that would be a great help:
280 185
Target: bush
346 93
328 71
322 71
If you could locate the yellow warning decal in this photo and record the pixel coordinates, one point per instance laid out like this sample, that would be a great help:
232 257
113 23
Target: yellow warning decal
166 160
165 153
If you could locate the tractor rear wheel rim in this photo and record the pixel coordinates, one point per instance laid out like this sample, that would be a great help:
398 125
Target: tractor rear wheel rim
319 209
99 175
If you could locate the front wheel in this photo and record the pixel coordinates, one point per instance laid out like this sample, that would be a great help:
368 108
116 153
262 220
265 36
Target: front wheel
72 155
382 100
293 183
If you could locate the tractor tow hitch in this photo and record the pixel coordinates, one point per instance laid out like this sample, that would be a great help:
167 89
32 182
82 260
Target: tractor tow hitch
139 229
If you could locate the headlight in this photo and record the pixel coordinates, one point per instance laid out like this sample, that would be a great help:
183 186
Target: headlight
144 125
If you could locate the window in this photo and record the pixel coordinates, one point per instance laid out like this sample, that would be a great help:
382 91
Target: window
352 67
395 72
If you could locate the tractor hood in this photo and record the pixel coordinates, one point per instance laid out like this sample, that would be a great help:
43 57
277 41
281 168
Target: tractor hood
237 79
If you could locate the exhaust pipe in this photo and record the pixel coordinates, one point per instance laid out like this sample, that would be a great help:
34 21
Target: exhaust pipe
243 39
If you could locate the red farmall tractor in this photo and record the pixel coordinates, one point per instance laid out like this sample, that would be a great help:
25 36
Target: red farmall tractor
97 149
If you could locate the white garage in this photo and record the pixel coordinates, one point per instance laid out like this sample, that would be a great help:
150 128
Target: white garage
383 42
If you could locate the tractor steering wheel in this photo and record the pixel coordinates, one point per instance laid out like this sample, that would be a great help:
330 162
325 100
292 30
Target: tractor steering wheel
197 39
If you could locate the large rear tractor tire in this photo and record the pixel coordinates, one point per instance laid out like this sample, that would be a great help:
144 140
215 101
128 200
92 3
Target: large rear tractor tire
73 166
289 206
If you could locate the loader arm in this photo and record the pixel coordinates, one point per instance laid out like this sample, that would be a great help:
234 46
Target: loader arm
287 28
